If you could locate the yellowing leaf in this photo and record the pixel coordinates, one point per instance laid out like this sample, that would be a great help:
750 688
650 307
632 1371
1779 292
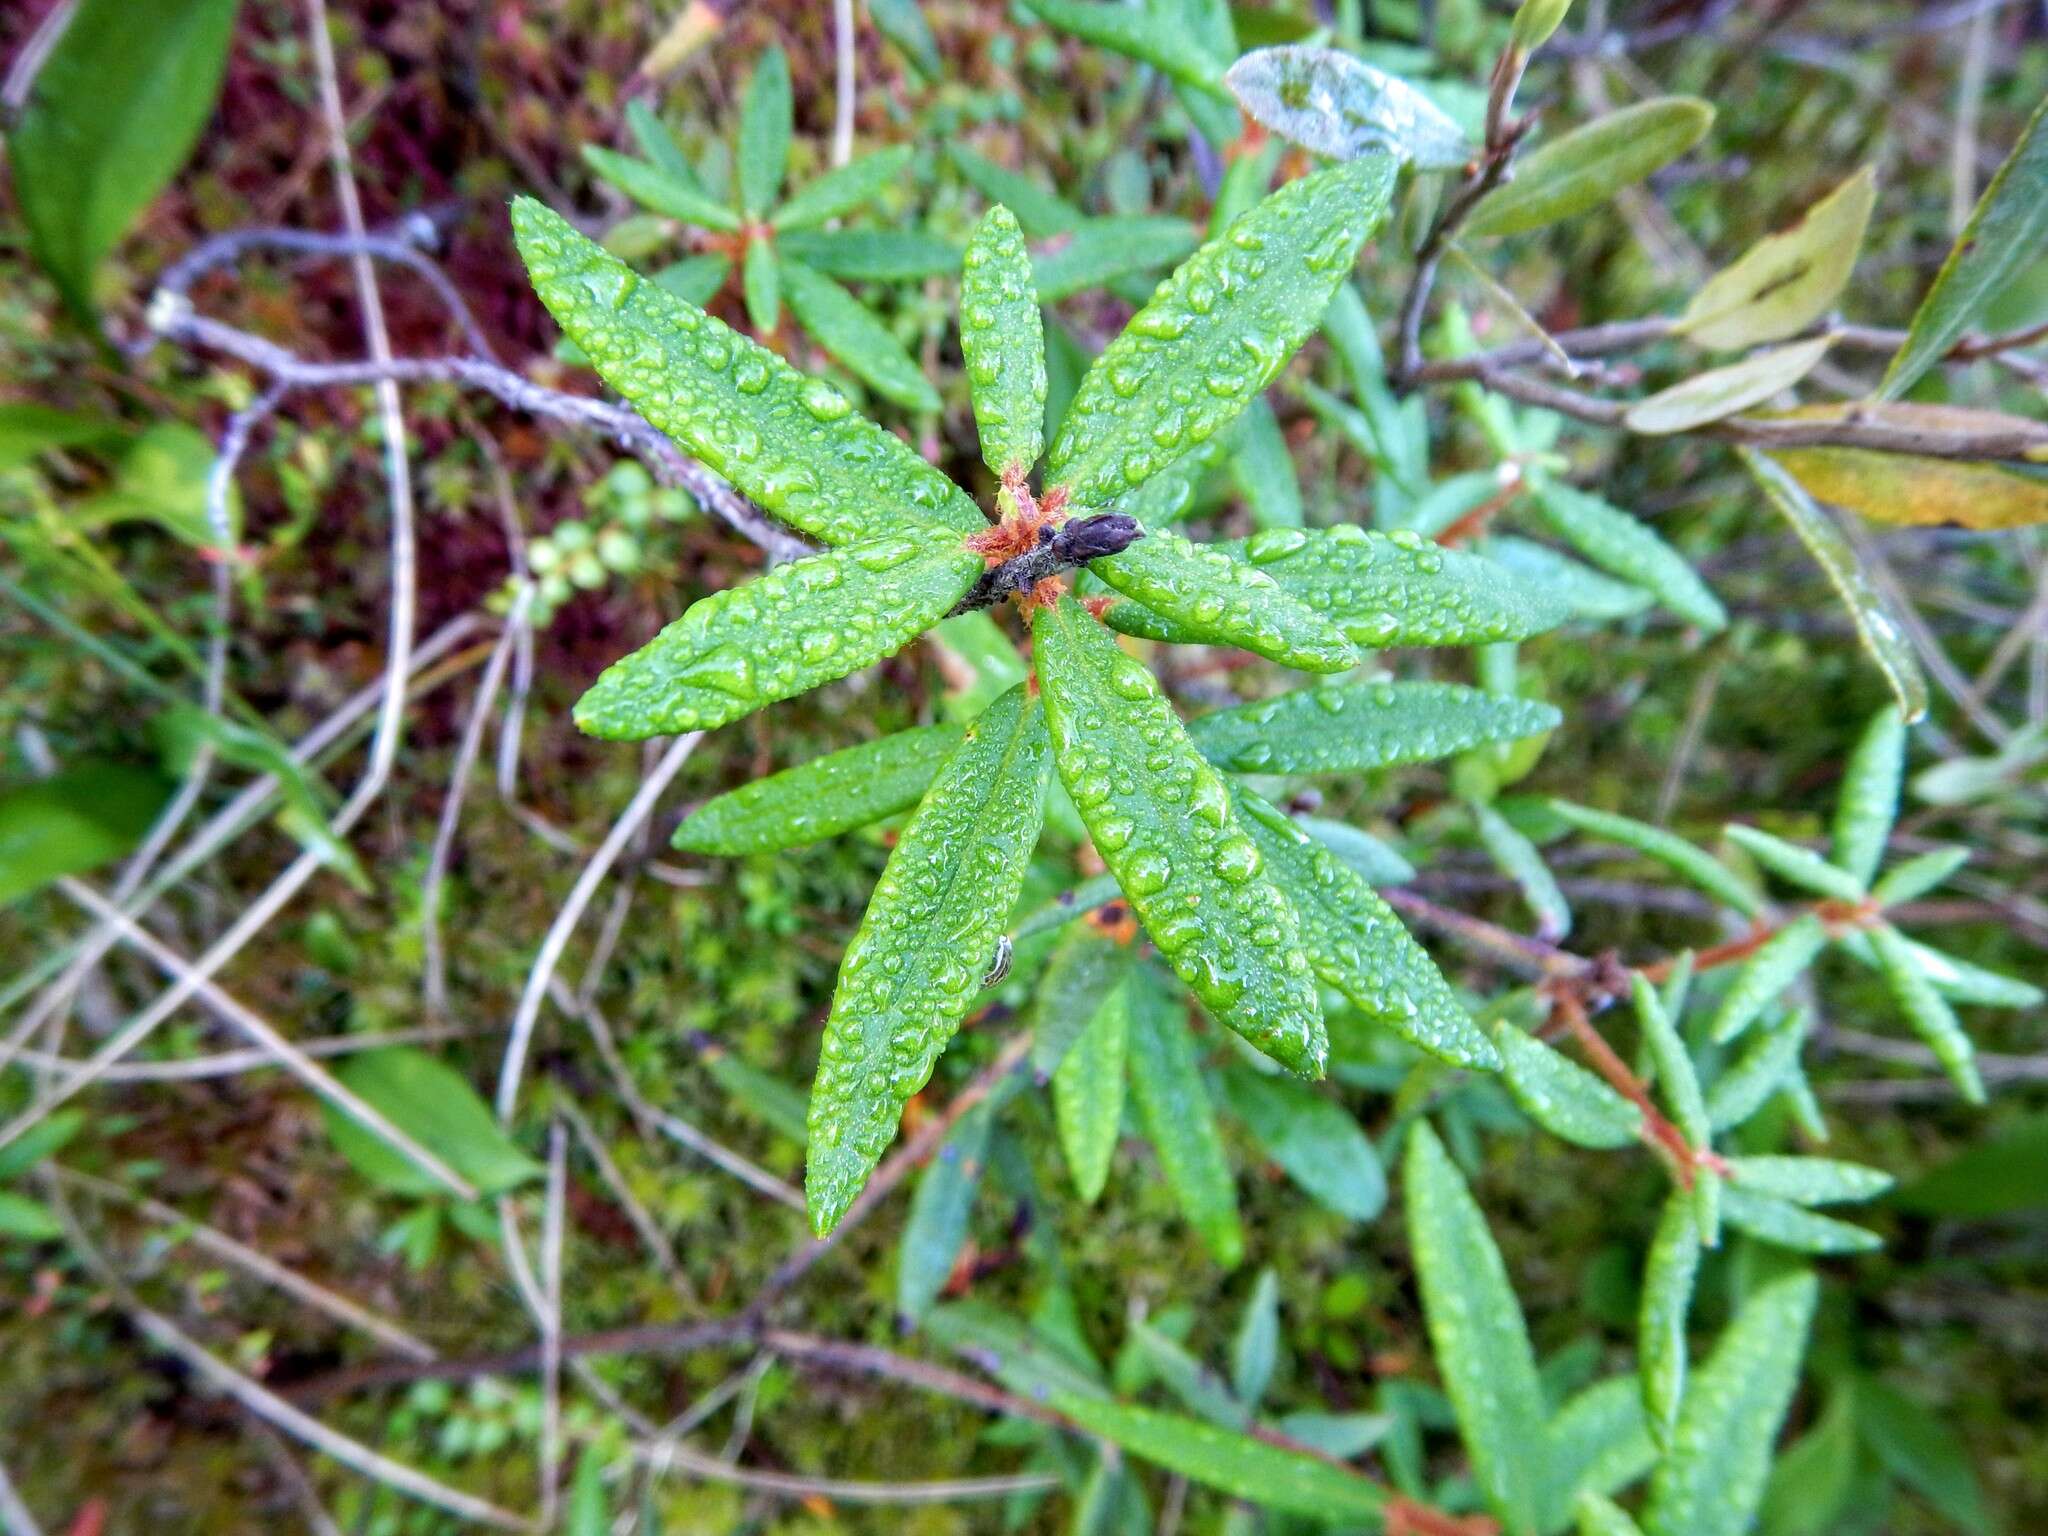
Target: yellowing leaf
1920 492
1785 281
1722 392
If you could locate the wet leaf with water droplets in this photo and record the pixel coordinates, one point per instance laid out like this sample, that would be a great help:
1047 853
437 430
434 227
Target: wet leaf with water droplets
847 329
1928 1011
780 635
1381 589
1769 1063
1162 820
1357 944
1352 727
1693 865
1625 547
790 442
1475 1323
1216 332
761 154
1783 1224
1225 601
1808 1180
1088 1094
1002 342
822 798
1868 801
917 960
1668 1275
1174 1108
1777 963
1171 47
1562 1096
1337 106
841 190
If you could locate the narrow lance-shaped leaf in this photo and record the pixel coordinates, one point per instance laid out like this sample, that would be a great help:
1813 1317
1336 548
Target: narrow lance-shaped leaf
1786 281
1808 1180
1624 547
659 145
1923 1450
1765 1066
1963 982
1868 800
435 1105
841 190
1916 490
1582 170
1357 944
1915 877
1088 1094
1263 470
1796 865
1099 252
1928 1011
1475 1324
1216 332
1676 1078
1255 1351
1040 211
1002 339
762 152
1777 963
761 286
1201 1389
1515 856
1693 865
790 442
1883 640
1371 859
939 1211
1314 1140
1174 1107
1601 1516
1598 1441
822 798
1352 727
1086 967
847 329
2005 232
1171 49
1331 103
661 191
923 945
1267 1475
1380 589
871 255
1722 392
73 821
1668 1276
780 635
1562 1096
1161 819
1223 601
1785 1225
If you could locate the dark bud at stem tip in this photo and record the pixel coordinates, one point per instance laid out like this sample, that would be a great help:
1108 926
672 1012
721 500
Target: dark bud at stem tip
1087 538
1073 543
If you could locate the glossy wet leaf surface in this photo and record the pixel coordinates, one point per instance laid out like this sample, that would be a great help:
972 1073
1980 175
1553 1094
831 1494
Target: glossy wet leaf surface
822 798
1351 727
1002 341
1342 107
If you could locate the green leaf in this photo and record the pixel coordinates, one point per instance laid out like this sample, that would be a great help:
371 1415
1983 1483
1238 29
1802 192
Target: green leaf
1928 1011
1174 1107
2004 234
1760 1071
1601 1516
433 1104
26 1219
112 113
1922 1450
1785 1225
790 442
1263 469
1884 640
780 635
1582 591
822 798
1267 1475
842 190
1962 982
1808 1180
871 255
923 946
1675 1074
1224 601
1042 213
1796 865
1356 944
1380 589
848 330
1515 856
1562 1096
1535 21
903 23
1778 962
1099 252
1315 1141
1216 332
761 285
1352 727
1711 1480
1475 1325
1721 392
939 1211
662 191
695 279
759 1095
1372 860
161 478
28 429
44 1139
1693 865
1161 818
1915 877
1598 1442
1200 1389
1668 1274
1813 1481
1088 1094
1868 801
1084 969
1331 103
1002 342
72 822
1255 1351
658 144
1023 1358
1785 281
588 1510
1577 173
1624 547
1173 50
762 153
1998 1176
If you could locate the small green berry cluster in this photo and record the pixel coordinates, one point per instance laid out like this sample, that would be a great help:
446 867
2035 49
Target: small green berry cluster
617 538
